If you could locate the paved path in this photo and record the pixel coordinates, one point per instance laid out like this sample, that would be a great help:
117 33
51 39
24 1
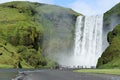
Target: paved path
63 75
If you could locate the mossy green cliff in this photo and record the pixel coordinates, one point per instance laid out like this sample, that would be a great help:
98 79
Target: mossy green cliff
111 56
29 31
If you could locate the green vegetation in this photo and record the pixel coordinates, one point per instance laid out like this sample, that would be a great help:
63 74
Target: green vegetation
28 30
111 56
112 17
100 71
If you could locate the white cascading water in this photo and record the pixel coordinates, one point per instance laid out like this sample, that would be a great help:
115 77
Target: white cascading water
88 41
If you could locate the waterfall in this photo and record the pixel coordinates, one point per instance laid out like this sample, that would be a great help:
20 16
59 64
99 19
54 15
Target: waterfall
88 41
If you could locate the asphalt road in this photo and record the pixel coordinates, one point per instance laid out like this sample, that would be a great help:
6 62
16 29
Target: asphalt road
62 75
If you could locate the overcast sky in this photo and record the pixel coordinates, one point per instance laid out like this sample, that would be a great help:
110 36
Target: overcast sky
86 7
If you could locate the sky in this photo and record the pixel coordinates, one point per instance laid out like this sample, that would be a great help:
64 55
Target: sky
86 7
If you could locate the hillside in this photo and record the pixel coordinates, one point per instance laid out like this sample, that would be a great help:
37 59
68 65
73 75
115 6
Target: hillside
111 56
31 31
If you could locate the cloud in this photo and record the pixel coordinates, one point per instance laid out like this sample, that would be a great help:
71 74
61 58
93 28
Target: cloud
3 1
82 7
93 7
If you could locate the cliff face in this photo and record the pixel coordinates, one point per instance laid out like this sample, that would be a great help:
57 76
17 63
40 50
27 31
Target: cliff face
110 57
111 19
30 31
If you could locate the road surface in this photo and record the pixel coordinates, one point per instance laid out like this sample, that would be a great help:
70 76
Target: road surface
62 75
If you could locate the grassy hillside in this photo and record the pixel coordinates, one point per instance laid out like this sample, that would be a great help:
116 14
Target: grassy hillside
112 17
28 30
111 56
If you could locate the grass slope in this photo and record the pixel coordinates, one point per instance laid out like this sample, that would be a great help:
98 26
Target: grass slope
27 29
111 57
100 71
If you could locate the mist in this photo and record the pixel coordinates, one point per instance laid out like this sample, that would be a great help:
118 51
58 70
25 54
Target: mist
108 27
58 33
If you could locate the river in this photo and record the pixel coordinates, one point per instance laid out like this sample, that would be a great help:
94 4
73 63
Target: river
30 74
